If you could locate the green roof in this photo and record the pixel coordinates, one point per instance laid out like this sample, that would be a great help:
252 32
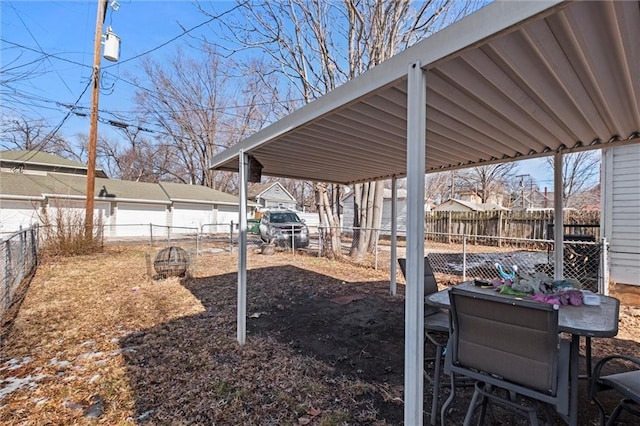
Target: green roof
39 157
21 185
196 193
119 189
37 186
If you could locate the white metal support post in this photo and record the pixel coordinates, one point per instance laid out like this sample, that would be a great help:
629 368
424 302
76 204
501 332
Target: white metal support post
414 293
394 235
242 249
558 217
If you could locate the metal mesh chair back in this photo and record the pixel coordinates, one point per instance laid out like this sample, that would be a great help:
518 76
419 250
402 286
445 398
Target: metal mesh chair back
430 284
514 340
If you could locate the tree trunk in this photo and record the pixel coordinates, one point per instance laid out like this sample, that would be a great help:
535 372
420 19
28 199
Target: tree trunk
329 222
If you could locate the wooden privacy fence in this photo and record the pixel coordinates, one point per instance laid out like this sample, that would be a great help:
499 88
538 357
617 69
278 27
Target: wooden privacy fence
537 225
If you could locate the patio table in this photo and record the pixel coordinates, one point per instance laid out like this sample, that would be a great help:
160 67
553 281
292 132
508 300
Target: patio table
585 320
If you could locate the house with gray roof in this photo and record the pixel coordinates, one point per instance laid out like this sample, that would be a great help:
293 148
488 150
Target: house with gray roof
457 205
271 195
35 184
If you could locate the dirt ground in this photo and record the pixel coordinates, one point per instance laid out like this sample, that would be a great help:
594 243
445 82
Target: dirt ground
95 342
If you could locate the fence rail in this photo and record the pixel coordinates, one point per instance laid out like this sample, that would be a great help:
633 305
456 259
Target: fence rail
457 257
19 253
512 224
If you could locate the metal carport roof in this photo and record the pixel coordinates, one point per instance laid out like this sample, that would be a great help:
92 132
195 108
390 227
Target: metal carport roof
514 80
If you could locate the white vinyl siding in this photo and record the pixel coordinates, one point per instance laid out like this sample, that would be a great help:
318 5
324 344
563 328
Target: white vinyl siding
621 218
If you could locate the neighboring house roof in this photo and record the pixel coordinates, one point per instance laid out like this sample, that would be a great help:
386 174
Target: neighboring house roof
454 201
36 187
258 190
52 181
37 160
255 189
21 186
117 189
492 206
197 194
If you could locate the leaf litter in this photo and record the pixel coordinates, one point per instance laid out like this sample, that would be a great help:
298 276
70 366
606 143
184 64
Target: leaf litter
96 341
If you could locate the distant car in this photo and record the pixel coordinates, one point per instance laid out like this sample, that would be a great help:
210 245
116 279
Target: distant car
284 228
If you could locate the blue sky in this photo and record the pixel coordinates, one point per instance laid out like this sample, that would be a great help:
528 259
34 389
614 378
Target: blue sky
65 31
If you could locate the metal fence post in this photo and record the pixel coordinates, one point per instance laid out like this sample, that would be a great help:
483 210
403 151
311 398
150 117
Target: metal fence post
150 234
375 261
603 282
23 251
7 274
231 237
464 257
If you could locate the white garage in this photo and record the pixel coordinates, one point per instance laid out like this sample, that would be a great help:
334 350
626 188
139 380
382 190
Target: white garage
141 219
18 213
188 218
225 215
72 211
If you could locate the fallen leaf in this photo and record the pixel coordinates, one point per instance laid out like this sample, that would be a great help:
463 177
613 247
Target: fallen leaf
313 412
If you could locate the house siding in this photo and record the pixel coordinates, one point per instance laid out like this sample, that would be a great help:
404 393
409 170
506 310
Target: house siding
277 197
621 207
347 213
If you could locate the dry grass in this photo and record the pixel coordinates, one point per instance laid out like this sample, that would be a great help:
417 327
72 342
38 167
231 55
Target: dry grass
94 333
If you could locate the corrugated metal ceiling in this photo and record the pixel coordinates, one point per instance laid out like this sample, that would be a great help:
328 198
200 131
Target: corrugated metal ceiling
512 81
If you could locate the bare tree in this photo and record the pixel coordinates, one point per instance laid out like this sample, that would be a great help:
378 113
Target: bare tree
139 158
580 170
201 109
438 186
23 133
485 180
316 46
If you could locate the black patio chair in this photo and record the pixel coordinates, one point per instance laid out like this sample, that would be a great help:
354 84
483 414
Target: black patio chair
436 330
626 383
510 345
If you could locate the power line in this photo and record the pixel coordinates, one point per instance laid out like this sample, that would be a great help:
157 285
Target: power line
46 55
51 134
40 47
184 32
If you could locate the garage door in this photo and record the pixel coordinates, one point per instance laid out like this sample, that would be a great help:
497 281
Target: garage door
14 214
224 216
72 212
188 218
141 220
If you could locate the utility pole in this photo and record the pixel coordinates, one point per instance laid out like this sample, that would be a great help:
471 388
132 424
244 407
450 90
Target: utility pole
93 126
522 189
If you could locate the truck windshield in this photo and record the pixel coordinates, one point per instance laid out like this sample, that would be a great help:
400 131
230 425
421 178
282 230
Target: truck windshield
284 217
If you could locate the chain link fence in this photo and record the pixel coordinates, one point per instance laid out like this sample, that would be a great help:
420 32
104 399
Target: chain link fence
19 253
456 258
